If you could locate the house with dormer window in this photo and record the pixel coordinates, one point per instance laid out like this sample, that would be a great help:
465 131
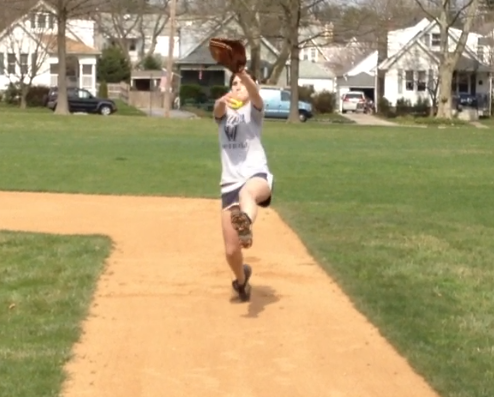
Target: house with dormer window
29 52
412 66
414 56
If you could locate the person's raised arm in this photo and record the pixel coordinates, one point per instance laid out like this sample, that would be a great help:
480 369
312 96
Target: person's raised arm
219 109
252 88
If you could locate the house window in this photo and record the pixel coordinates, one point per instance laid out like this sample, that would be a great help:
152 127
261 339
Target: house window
304 55
132 45
24 64
11 63
313 54
2 64
421 80
41 21
34 64
87 76
436 40
409 80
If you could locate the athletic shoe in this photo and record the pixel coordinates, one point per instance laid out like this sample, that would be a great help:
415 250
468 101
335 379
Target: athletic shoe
243 225
243 290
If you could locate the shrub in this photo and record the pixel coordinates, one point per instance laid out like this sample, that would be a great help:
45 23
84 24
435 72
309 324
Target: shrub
151 63
103 90
218 91
384 107
403 107
324 102
305 93
36 96
422 107
12 94
191 93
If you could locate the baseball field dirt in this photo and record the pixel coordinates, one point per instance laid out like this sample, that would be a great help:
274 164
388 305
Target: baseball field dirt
162 322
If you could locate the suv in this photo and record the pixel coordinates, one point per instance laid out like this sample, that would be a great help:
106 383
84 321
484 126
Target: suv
81 100
353 101
277 104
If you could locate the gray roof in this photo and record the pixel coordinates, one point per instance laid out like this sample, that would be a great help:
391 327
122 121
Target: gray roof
361 80
200 56
312 70
466 64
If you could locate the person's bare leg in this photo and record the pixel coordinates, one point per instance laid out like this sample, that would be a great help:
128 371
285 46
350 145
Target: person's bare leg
254 191
233 250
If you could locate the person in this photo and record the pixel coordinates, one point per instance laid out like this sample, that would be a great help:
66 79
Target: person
246 181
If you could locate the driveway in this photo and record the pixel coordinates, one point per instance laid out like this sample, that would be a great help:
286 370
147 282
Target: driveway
367 119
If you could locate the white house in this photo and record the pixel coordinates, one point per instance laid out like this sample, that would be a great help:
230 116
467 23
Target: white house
28 49
136 33
412 67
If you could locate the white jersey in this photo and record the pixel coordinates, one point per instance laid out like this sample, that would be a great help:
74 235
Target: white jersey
242 154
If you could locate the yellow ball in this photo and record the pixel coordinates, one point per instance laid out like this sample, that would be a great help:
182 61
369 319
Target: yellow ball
235 103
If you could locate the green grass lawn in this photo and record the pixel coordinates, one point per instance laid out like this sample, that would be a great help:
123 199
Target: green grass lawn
401 217
46 283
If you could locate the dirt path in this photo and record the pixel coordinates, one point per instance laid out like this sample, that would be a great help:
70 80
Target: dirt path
162 323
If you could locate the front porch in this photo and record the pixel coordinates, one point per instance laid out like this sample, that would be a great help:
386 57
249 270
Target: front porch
80 65
472 89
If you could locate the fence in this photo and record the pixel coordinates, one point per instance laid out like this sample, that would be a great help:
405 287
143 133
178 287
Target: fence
113 90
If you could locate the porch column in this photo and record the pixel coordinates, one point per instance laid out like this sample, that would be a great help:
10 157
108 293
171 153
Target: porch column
81 84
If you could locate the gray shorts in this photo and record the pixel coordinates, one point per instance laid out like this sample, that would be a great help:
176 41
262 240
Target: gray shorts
232 198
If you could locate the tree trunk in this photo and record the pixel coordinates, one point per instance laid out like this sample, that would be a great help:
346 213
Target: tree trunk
255 57
444 102
255 47
279 66
294 116
62 100
382 54
24 91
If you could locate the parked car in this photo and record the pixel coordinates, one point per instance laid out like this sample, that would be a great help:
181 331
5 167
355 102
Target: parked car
81 100
353 101
277 104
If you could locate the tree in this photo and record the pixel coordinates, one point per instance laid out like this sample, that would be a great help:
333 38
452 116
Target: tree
116 22
27 56
143 20
113 66
446 16
65 10
293 13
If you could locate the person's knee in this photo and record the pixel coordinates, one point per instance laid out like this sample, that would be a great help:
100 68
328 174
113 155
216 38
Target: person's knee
232 251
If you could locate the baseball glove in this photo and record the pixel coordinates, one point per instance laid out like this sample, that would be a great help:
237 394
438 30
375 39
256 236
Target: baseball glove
228 53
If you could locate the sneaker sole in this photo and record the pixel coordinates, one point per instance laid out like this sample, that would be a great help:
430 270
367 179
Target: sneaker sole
241 224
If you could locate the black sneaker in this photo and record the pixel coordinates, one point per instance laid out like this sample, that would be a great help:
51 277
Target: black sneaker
243 291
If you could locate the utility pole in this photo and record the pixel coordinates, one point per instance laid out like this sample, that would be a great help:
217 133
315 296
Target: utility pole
169 63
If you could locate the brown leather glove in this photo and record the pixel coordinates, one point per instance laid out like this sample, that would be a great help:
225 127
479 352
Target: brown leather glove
228 53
